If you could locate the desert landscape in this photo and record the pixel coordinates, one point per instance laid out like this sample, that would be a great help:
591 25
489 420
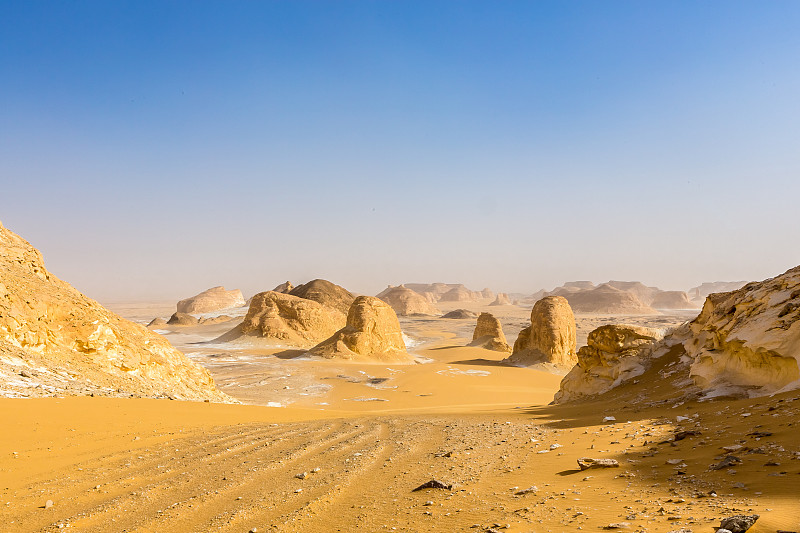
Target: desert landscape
371 266
320 420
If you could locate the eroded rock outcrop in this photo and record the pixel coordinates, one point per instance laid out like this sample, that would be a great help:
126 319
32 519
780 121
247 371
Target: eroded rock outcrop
550 338
501 299
672 300
459 294
406 302
749 338
326 293
182 319
372 333
84 348
487 294
489 334
286 320
613 354
284 288
607 299
213 299
460 314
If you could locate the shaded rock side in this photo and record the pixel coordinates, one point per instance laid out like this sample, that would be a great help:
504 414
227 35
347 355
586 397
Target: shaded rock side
501 299
326 293
213 299
50 325
407 302
750 337
372 333
287 320
182 319
613 354
550 338
489 334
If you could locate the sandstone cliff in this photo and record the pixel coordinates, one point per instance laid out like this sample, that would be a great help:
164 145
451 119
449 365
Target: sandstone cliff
489 334
210 300
372 333
69 344
551 336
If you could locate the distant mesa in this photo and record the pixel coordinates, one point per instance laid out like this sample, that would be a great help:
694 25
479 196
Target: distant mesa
182 319
286 320
607 299
502 299
699 294
460 314
489 334
487 294
613 353
406 302
46 324
672 300
372 333
551 337
284 288
326 293
213 299
579 285
459 294
447 292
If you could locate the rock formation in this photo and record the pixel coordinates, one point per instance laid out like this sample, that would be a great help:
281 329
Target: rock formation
672 300
372 333
48 325
642 292
407 302
744 342
459 294
749 338
502 299
489 334
213 299
699 294
608 299
461 313
157 322
284 288
286 320
551 336
182 319
487 294
325 293
613 354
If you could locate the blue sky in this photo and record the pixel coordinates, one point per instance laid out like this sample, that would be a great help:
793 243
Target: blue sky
515 145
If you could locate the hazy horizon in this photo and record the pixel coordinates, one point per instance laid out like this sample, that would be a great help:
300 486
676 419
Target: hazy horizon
153 150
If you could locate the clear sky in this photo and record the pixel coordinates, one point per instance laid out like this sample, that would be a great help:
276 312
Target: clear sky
154 149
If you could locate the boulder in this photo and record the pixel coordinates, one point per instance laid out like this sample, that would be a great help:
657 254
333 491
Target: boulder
749 338
326 293
286 320
213 299
460 314
407 302
489 334
284 288
550 338
502 299
45 323
672 300
613 354
182 319
157 322
372 333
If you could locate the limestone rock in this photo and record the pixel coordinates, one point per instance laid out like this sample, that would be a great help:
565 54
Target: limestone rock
642 292
551 336
749 338
407 302
46 323
613 354
672 300
459 294
284 288
502 299
489 334
213 299
325 293
182 319
699 294
487 294
460 314
372 333
287 320
157 322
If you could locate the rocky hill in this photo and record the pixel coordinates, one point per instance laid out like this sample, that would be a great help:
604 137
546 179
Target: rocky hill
54 340
210 300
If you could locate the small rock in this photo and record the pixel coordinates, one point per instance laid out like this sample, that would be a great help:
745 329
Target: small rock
739 523
301 475
530 490
618 525
48 504
609 419
587 462
728 461
433 484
